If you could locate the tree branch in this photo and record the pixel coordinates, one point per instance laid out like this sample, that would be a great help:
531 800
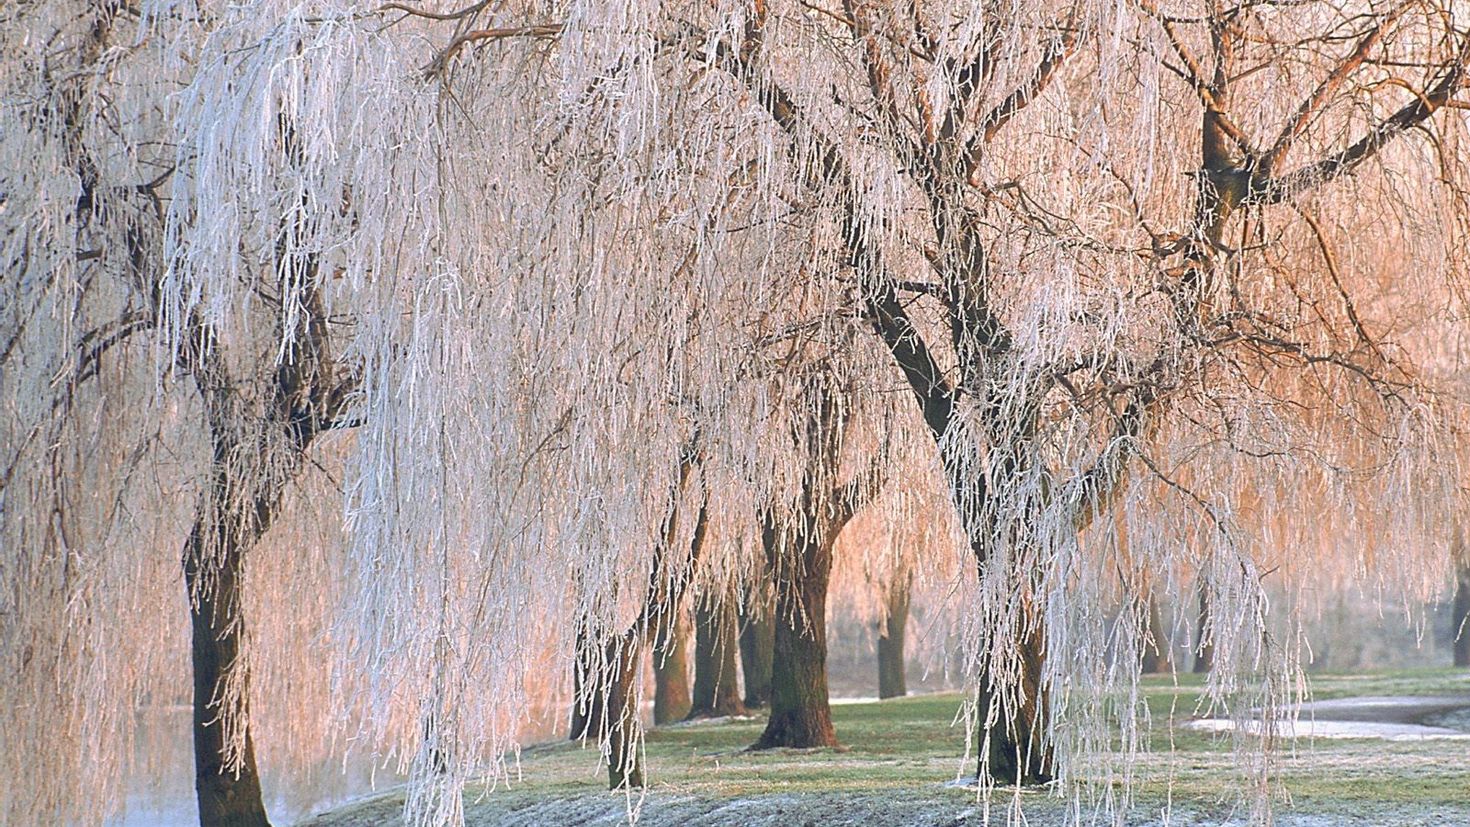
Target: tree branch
1416 112
1326 89
436 67
883 310
1019 98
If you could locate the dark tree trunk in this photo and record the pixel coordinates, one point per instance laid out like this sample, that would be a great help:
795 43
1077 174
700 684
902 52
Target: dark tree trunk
1015 750
624 765
228 796
257 443
671 697
607 704
891 663
800 712
1461 614
1204 658
716 676
757 648
1156 648
659 627
589 697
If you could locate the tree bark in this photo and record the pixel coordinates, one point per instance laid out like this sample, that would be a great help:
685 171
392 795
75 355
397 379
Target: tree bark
671 696
757 648
589 700
716 677
1204 658
1156 648
891 663
1014 749
227 796
1461 613
624 767
801 715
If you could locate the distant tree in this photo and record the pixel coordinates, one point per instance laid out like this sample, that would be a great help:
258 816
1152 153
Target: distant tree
892 680
671 697
1460 609
798 539
716 666
757 642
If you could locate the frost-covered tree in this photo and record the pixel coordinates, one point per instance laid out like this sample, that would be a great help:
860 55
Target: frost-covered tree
1027 156
92 100
1180 263
798 537
78 246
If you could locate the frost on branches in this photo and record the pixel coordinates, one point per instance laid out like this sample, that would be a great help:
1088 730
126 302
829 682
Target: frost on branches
437 353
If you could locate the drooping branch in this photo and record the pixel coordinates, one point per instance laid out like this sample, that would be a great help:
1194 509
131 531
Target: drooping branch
1102 483
855 495
668 578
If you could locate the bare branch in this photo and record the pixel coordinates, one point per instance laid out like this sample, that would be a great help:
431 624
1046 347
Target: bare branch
440 62
1325 90
1412 114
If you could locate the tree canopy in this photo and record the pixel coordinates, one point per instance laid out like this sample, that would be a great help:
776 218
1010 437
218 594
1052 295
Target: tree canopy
440 312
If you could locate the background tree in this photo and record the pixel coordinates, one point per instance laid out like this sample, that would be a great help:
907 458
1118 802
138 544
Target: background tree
798 539
716 665
671 698
892 666
757 642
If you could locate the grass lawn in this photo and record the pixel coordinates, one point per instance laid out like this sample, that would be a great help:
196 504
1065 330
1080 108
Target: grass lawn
898 754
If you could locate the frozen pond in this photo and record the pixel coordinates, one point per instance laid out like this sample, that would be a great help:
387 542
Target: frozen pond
1392 718
163 796
161 788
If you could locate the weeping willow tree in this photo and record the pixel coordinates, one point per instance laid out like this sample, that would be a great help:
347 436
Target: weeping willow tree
78 246
1174 264
1072 326
96 119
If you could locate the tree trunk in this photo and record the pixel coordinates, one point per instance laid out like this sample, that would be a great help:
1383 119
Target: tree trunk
891 663
1156 648
800 712
1461 614
1014 750
228 796
257 446
624 765
1204 658
588 696
716 677
757 647
671 698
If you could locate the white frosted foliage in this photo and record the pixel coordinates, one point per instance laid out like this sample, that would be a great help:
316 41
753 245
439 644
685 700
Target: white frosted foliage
485 303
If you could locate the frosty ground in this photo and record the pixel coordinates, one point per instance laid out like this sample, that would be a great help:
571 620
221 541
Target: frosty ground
900 760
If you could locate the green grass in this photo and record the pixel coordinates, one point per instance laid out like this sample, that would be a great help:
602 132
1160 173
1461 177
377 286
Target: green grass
905 749
910 742
892 743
